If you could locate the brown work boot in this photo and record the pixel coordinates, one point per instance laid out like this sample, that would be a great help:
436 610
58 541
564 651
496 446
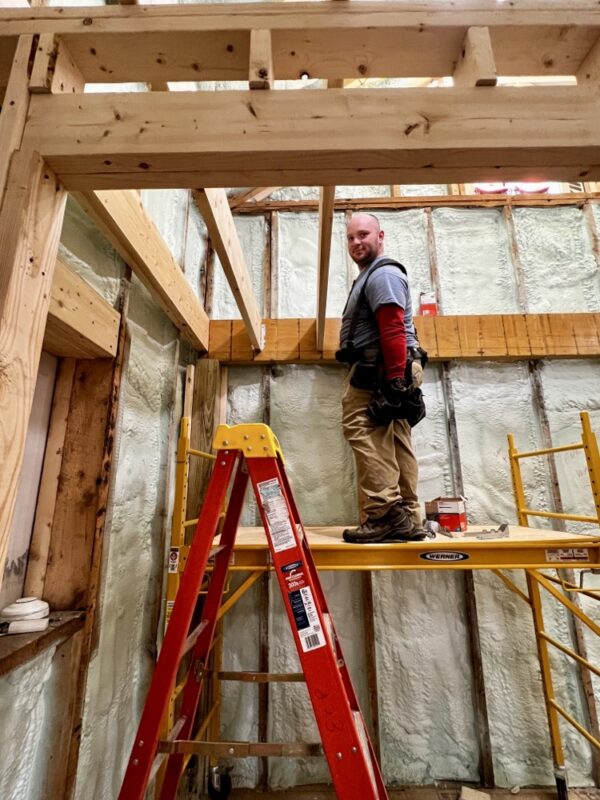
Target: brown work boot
394 526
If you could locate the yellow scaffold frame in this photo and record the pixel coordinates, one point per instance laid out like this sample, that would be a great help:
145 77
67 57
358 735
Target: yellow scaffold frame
536 579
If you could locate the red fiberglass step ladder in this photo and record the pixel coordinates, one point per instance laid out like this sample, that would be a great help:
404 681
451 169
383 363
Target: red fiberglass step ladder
252 451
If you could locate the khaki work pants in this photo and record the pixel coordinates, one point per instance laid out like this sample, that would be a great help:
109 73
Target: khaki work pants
386 466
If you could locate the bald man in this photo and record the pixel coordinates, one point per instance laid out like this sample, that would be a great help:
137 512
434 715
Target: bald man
379 342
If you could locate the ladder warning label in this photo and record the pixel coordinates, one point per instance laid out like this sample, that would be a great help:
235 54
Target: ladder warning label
278 515
568 554
307 620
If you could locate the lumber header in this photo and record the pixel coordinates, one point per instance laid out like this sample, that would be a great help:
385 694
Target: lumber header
316 137
492 337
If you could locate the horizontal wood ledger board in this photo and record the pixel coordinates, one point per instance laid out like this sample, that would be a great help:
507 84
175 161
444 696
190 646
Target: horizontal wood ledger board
424 201
484 337
337 137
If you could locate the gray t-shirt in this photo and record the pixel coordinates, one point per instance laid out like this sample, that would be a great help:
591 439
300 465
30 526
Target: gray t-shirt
385 285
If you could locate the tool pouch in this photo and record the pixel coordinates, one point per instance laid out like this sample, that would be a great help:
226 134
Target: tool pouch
364 375
411 408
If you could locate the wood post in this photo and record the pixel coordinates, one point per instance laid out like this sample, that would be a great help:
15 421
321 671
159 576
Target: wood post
30 226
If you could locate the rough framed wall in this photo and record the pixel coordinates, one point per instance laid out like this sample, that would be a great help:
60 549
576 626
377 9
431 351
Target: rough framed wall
423 667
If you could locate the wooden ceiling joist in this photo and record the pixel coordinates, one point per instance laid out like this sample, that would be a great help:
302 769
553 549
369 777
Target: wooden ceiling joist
219 222
326 203
261 60
122 217
80 324
324 40
476 65
315 137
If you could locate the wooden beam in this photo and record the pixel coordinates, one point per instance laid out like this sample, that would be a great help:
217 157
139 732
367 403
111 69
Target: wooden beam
325 229
476 65
81 324
122 217
447 136
30 226
261 60
326 40
258 194
501 337
14 107
219 222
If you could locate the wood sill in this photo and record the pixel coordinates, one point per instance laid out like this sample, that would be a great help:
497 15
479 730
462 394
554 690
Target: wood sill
18 649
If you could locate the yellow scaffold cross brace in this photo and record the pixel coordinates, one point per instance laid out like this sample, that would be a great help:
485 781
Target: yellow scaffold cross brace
255 440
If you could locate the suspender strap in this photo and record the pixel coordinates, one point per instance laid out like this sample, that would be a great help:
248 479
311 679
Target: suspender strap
386 262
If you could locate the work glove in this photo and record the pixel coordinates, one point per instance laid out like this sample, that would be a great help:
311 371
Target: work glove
395 390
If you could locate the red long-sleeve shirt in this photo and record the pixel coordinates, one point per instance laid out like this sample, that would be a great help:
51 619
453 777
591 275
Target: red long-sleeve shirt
392 334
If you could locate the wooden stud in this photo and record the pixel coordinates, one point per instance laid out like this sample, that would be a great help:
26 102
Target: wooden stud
98 496
207 383
81 324
324 254
476 65
217 216
267 269
434 272
30 226
517 264
46 503
261 60
82 472
371 661
592 228
54 71
122 217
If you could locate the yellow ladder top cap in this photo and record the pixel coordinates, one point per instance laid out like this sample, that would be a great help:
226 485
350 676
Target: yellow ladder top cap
255 440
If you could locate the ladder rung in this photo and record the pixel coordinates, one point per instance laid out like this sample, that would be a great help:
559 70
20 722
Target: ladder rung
193 637
241 749
263 677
